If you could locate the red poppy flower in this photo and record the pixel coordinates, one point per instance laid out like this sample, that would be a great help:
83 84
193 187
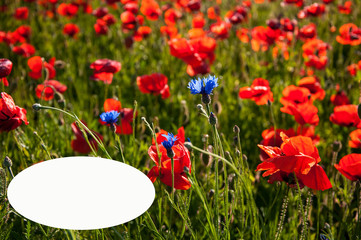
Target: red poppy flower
141 32
352 69
298 3
355 139
170 31
263 37
220 29
346 115
315 53
304 113
155 83
150 9
349 34
213 13
171 16
299 156
260 92
46 91
131 7
346 8
273 139
288 25
313 10
68 10
243 35
180 136
100 12
11 116
109 19
71 30
196 33
237 16
308 131
293 95
79 144
128 20
340 98
21 13
101 27
36 65
308 32
5 69
198 21
22 33
104 70
313 84
181 159
126 116
350 166
25 49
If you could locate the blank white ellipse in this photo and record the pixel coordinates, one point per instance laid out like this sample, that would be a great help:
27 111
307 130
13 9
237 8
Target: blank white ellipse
81 193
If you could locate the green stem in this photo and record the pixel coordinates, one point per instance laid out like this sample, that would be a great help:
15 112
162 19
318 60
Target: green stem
101 145
300 200
120 146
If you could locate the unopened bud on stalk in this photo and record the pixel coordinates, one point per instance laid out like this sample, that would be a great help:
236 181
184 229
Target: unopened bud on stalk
206 98
200 107
336 146
236 129
7 163
188 145
269 103
36 107
212 119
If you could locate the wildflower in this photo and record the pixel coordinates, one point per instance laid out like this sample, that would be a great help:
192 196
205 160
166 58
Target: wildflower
5 69
110 117
36 65
155 83
350 166
68 10
126 116
349 34
296 156
21 13
181 161
260 92
71 30
47 89
11 116
203 86
168 144
355 139
25 50
346 115
340 98
313 85
104 70
79 144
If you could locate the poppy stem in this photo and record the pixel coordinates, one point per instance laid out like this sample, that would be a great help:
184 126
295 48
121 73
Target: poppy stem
300 200
282 216
216 195
100 143
273 120
117 138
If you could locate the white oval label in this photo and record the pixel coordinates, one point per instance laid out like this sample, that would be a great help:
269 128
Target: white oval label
81 193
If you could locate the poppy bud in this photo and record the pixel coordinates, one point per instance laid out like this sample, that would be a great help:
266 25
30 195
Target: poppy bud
336 146
7 163
188 145
269 103
236 129
186 170
36 107
210 193
59 64
212 119
200 107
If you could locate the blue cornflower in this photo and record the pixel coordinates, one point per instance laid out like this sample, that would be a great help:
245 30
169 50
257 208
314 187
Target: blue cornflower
203 86
168 144
110 117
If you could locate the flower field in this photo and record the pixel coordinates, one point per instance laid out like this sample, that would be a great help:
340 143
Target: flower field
245 114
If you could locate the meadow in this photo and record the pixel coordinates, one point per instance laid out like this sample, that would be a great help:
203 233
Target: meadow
261 96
